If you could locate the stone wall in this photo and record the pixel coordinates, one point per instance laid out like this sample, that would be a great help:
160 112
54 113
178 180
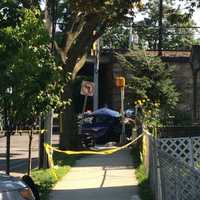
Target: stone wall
182 77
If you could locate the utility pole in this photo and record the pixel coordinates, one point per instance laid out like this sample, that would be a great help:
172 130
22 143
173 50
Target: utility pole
49 118
41 144
195 71
160 31
130 43
7 141
53 16
8 127
123 134
133 36
120 83
48 122
96 75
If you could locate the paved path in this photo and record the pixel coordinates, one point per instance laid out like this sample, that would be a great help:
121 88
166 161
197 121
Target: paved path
99 177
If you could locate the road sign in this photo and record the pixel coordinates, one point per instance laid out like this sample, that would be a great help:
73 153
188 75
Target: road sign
120 81
87 88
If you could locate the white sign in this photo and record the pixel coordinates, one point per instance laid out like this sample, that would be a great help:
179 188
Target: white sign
87 88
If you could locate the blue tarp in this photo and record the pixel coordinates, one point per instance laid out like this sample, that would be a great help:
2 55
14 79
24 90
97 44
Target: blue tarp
106 111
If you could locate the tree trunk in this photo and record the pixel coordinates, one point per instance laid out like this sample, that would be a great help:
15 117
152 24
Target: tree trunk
69 135
8 152
29 151
76 58
8 135
41 144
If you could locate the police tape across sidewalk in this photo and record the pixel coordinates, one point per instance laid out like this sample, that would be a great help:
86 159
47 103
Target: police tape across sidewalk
49 149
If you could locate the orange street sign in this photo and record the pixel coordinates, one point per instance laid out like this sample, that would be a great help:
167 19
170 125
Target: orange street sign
120 81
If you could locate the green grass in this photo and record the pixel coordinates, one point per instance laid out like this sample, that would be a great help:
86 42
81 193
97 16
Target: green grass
143 180
45 179
141 175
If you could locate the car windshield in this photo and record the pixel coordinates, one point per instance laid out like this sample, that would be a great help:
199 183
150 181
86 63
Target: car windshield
103 119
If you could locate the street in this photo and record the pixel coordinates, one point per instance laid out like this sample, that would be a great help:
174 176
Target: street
19 153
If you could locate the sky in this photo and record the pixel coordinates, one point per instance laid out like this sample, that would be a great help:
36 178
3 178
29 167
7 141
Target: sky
196 15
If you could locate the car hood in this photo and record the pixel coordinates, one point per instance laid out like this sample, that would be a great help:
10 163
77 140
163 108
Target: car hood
8 183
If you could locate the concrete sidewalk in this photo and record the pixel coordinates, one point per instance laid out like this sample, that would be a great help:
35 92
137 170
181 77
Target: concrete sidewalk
99 177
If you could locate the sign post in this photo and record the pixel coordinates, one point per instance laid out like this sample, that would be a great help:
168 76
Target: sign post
120 83
87 89
84 104
96 75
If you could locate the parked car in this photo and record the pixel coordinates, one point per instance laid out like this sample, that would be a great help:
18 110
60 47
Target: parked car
12 188
130 113
100 127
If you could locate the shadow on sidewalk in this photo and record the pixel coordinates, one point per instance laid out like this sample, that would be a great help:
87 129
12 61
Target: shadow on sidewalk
18 165
122 158
99 177
105 193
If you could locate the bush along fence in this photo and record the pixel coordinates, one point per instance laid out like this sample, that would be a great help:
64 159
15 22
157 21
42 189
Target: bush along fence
173 165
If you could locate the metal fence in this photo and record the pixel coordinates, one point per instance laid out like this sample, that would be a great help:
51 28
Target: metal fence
170 177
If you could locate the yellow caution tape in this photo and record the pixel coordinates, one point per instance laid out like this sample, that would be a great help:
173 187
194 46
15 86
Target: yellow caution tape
50 160
49 148
43 131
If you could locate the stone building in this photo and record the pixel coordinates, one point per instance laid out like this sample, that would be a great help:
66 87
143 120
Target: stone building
183 77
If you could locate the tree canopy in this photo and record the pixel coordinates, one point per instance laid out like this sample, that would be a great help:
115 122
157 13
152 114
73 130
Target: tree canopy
177 29
30 81
148 78
79 24
116 37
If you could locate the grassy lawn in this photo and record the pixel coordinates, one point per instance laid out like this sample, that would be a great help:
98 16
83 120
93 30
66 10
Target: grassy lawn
141 175
46 179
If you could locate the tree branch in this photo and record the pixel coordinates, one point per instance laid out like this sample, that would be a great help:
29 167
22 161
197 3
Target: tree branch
75 30
79 65
30 4
47 17
99 33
